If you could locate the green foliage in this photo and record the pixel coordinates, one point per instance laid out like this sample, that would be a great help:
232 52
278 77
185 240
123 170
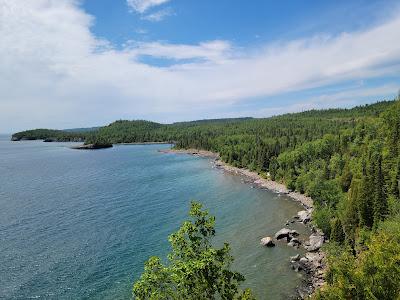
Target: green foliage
50 135
337 234
196 270
373 274
322 218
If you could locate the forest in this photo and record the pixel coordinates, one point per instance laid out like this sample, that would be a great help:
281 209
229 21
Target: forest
347 160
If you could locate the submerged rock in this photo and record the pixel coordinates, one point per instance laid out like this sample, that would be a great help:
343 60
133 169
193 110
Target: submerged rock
267 241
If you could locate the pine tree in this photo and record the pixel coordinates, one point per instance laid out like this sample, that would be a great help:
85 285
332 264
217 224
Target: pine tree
350 215
366 196
337 233
380 199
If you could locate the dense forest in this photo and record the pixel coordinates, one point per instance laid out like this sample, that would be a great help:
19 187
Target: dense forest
347 160
50 135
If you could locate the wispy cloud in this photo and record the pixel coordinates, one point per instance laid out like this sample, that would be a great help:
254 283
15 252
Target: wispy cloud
158 15
142 6
52 66
216 51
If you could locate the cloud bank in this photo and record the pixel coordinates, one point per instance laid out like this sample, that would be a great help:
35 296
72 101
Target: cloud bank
55 73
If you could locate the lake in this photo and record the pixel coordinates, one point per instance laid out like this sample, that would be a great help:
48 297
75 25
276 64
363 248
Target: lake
78 224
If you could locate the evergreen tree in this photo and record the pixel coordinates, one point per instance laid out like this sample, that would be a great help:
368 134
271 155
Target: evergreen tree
337 233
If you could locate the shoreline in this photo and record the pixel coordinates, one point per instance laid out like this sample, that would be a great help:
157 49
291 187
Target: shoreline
314 262
259 181
145 143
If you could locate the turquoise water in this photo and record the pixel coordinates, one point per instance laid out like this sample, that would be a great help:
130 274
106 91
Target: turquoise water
80 224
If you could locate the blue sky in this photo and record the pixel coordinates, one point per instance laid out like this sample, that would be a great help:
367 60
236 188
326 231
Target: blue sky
69 63
245 23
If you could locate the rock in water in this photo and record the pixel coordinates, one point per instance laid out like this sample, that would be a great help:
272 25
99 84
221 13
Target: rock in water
267 241
294 242
94 146
295 258
283 233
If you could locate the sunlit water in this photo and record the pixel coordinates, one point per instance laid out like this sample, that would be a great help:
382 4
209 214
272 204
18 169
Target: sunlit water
80 224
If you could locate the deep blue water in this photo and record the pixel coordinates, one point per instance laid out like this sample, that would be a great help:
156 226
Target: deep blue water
80 224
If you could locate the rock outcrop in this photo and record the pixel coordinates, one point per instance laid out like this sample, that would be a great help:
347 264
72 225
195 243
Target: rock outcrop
286 233
294 243
267 241
283 233
94 146
315 241
304 216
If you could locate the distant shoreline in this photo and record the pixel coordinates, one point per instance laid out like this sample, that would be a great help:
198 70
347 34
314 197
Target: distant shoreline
145 143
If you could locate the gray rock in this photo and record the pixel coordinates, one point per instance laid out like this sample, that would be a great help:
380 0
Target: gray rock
315 259
304 216
315 242
295 258
303 260
283 233
267 241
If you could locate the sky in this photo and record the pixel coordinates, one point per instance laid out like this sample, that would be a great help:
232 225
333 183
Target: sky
71 63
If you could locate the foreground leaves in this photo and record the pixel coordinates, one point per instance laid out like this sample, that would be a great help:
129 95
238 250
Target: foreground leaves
196 270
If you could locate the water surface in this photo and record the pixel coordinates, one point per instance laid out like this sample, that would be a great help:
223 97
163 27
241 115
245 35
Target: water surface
80 224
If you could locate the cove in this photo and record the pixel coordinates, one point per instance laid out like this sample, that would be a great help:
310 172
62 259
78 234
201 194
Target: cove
81 224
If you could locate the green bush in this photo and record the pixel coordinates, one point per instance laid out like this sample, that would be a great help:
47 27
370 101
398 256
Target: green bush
196 270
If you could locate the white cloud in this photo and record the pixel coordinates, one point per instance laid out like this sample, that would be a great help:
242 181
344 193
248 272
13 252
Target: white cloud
141 6
55 73
216 51
158 15
347 98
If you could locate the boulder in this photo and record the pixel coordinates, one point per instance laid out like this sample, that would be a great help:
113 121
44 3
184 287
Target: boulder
304 216
315 242
267 241
297 267
294 242
316 259
293 233
295 258
303 260
283 233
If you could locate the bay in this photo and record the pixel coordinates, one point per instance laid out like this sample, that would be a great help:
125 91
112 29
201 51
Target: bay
80 224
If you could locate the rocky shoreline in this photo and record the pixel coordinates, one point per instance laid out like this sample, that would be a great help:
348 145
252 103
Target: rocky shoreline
313 263
95 146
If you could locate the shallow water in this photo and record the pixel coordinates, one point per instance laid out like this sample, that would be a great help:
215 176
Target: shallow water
80 224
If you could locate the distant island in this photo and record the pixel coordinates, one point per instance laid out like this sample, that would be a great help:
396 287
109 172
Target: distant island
94 146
